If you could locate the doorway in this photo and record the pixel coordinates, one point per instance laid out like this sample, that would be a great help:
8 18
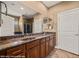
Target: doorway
27 28
68 30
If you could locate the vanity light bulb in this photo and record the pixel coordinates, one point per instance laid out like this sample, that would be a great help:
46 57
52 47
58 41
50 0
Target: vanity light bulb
22 8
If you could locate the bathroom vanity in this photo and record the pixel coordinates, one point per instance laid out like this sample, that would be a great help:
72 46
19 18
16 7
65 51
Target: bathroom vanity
28 46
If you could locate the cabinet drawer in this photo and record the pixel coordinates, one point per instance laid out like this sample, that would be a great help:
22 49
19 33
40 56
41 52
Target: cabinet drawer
2 53
47 38
21 55
32 44
15 51
42 40
51 37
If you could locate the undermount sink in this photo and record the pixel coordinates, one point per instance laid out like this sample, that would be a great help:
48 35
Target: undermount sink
3 42
17 40
6 41
28 38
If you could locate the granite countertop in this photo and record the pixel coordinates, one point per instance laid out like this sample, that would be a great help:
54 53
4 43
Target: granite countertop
18 41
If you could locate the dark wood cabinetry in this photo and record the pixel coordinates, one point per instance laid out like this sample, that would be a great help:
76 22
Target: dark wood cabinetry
2 53
51 43
47 45
54 40
32 49
37 48
18 51
42 48
33 52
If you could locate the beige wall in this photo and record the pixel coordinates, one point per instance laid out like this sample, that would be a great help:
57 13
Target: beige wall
60 8
53 12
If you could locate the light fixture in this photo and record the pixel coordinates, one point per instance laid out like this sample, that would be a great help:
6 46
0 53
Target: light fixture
48 21
22 8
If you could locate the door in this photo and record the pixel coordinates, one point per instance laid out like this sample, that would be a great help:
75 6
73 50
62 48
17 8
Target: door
27 28
68 30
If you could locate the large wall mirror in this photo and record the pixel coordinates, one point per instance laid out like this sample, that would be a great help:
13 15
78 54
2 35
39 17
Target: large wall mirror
9 23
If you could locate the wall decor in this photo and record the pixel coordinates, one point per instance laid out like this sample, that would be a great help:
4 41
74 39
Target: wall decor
45 20
48 24
49 19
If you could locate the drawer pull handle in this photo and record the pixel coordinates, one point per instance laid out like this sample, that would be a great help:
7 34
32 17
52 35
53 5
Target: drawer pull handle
16 51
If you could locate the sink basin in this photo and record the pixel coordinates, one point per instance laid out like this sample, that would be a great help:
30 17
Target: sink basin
28 38
6 41
3 42
17 40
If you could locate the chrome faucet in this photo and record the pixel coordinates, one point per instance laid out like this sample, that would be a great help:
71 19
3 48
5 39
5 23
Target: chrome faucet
5 7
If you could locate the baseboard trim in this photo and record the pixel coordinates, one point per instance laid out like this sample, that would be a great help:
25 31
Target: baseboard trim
67 51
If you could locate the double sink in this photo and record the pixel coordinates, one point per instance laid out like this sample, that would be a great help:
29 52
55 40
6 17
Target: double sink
17 39
20 39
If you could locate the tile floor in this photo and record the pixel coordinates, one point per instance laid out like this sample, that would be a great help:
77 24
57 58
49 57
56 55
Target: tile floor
58 53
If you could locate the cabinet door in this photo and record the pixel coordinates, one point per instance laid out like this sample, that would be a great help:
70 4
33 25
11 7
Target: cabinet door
51 45
42 51
33 52
54 41
2 53
47 48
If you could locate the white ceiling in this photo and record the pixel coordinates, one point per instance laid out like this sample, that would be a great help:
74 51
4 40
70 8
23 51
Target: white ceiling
50 3
19 9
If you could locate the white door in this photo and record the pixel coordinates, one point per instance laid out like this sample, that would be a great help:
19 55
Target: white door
68 30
